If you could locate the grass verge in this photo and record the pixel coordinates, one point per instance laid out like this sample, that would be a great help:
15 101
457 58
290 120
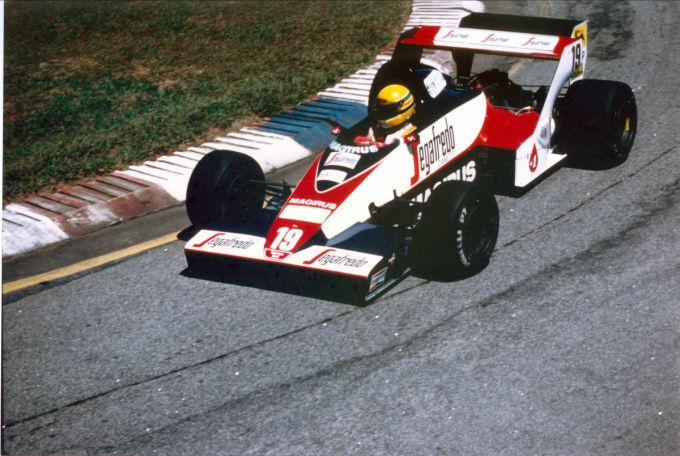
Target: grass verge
92 86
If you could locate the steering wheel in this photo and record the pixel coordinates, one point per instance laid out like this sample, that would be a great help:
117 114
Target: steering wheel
496 85
490 77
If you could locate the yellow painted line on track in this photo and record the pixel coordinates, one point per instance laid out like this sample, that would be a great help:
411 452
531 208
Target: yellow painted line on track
87 264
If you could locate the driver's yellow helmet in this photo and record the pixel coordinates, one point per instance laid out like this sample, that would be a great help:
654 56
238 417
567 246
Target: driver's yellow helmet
393 106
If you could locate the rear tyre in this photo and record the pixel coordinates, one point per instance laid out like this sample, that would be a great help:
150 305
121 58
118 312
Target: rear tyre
596 123
457 233
224 184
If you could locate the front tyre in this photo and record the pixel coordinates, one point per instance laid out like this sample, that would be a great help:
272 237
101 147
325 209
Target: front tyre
457 233
224 184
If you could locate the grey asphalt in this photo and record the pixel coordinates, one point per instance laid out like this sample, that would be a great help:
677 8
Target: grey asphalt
567 344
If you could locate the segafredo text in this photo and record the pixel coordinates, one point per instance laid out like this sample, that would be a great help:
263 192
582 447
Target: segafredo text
341 260
326 257
233 243
436 146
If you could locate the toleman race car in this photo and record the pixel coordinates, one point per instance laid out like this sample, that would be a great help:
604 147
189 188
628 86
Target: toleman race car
410 189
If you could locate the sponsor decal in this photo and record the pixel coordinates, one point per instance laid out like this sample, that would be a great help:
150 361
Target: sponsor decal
435 146
326 257
536 42
495 39
466 173
434 83
309 214
533 160
313 203
343 159
201 244
332 175
455 34
337 147
503 41
377 279
275 254
230 242
581 31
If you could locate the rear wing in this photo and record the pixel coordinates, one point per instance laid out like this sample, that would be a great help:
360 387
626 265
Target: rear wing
521 36
531 37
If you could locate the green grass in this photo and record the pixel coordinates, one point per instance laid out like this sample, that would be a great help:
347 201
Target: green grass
93 86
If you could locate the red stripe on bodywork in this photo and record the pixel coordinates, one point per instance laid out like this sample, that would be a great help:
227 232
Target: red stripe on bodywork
561 44
506 129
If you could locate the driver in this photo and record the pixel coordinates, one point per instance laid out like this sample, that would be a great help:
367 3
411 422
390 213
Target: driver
391 111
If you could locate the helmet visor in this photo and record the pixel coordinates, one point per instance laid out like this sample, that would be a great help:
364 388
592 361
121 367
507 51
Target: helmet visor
388 111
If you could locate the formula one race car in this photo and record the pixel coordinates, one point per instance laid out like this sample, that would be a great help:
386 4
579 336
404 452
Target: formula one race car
410 188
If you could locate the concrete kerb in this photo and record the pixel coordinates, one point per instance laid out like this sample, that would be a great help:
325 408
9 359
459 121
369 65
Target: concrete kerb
91 204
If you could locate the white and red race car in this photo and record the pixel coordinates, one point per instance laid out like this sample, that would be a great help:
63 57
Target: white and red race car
365 216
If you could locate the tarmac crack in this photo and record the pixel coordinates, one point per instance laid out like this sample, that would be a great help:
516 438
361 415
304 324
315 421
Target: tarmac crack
587 200
78 402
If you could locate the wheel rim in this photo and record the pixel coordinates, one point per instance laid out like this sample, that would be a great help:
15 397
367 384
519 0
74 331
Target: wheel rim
626 127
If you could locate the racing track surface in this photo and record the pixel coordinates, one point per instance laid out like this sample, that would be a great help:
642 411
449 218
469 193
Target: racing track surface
566 344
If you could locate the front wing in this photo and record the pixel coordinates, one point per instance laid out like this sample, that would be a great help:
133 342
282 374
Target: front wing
318 270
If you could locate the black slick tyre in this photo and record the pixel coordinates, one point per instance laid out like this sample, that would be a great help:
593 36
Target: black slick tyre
596 123
224 184
457 233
